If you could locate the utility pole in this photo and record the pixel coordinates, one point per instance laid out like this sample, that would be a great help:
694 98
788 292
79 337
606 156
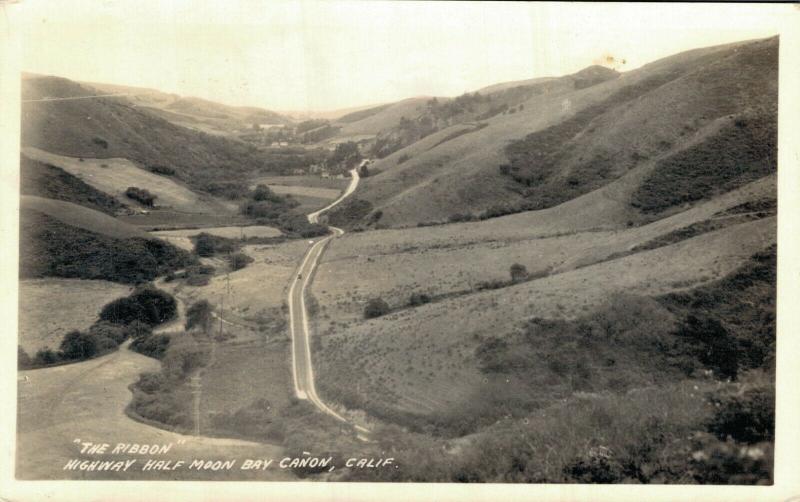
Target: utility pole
221 309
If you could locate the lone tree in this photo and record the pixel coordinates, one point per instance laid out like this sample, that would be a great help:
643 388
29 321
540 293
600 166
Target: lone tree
199 314
364 171
518 272
376 308
141 195
262 192
146 304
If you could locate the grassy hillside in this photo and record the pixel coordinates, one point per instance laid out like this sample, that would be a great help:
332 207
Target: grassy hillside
114 127
114 176
425 354
79 216
572 140
50 182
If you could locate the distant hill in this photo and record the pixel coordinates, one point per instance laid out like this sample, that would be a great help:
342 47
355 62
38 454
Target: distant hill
116 127
197 113
573 135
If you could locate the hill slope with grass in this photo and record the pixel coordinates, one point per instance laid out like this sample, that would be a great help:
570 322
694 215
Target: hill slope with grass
49 181
705 107
113 176
114 127
599 246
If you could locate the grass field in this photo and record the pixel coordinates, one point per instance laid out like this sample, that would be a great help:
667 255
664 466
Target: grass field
87 401
257 290
262 368
114 176
50 308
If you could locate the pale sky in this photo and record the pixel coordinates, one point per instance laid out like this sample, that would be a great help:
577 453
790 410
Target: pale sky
305 56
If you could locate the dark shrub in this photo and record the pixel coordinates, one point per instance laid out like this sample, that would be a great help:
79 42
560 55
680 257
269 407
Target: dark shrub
161 169
150 382
298 224
263 192
208 245
199 314
138 329
198 275
100 141
227 189
749 417
418 299
715 348
147 304
77 345
140 195
376 308
597 466
518 272
154 346
45 356
114 332
238 261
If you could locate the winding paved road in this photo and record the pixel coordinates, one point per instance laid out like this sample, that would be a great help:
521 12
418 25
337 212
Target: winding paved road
302 370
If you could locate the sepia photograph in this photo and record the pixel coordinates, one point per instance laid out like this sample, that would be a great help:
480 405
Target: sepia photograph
396 242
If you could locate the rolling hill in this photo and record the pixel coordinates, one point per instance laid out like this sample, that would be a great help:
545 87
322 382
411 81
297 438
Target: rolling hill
571 140
105 128
194 113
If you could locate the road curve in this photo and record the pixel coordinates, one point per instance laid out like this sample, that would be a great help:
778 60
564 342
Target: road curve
302 370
